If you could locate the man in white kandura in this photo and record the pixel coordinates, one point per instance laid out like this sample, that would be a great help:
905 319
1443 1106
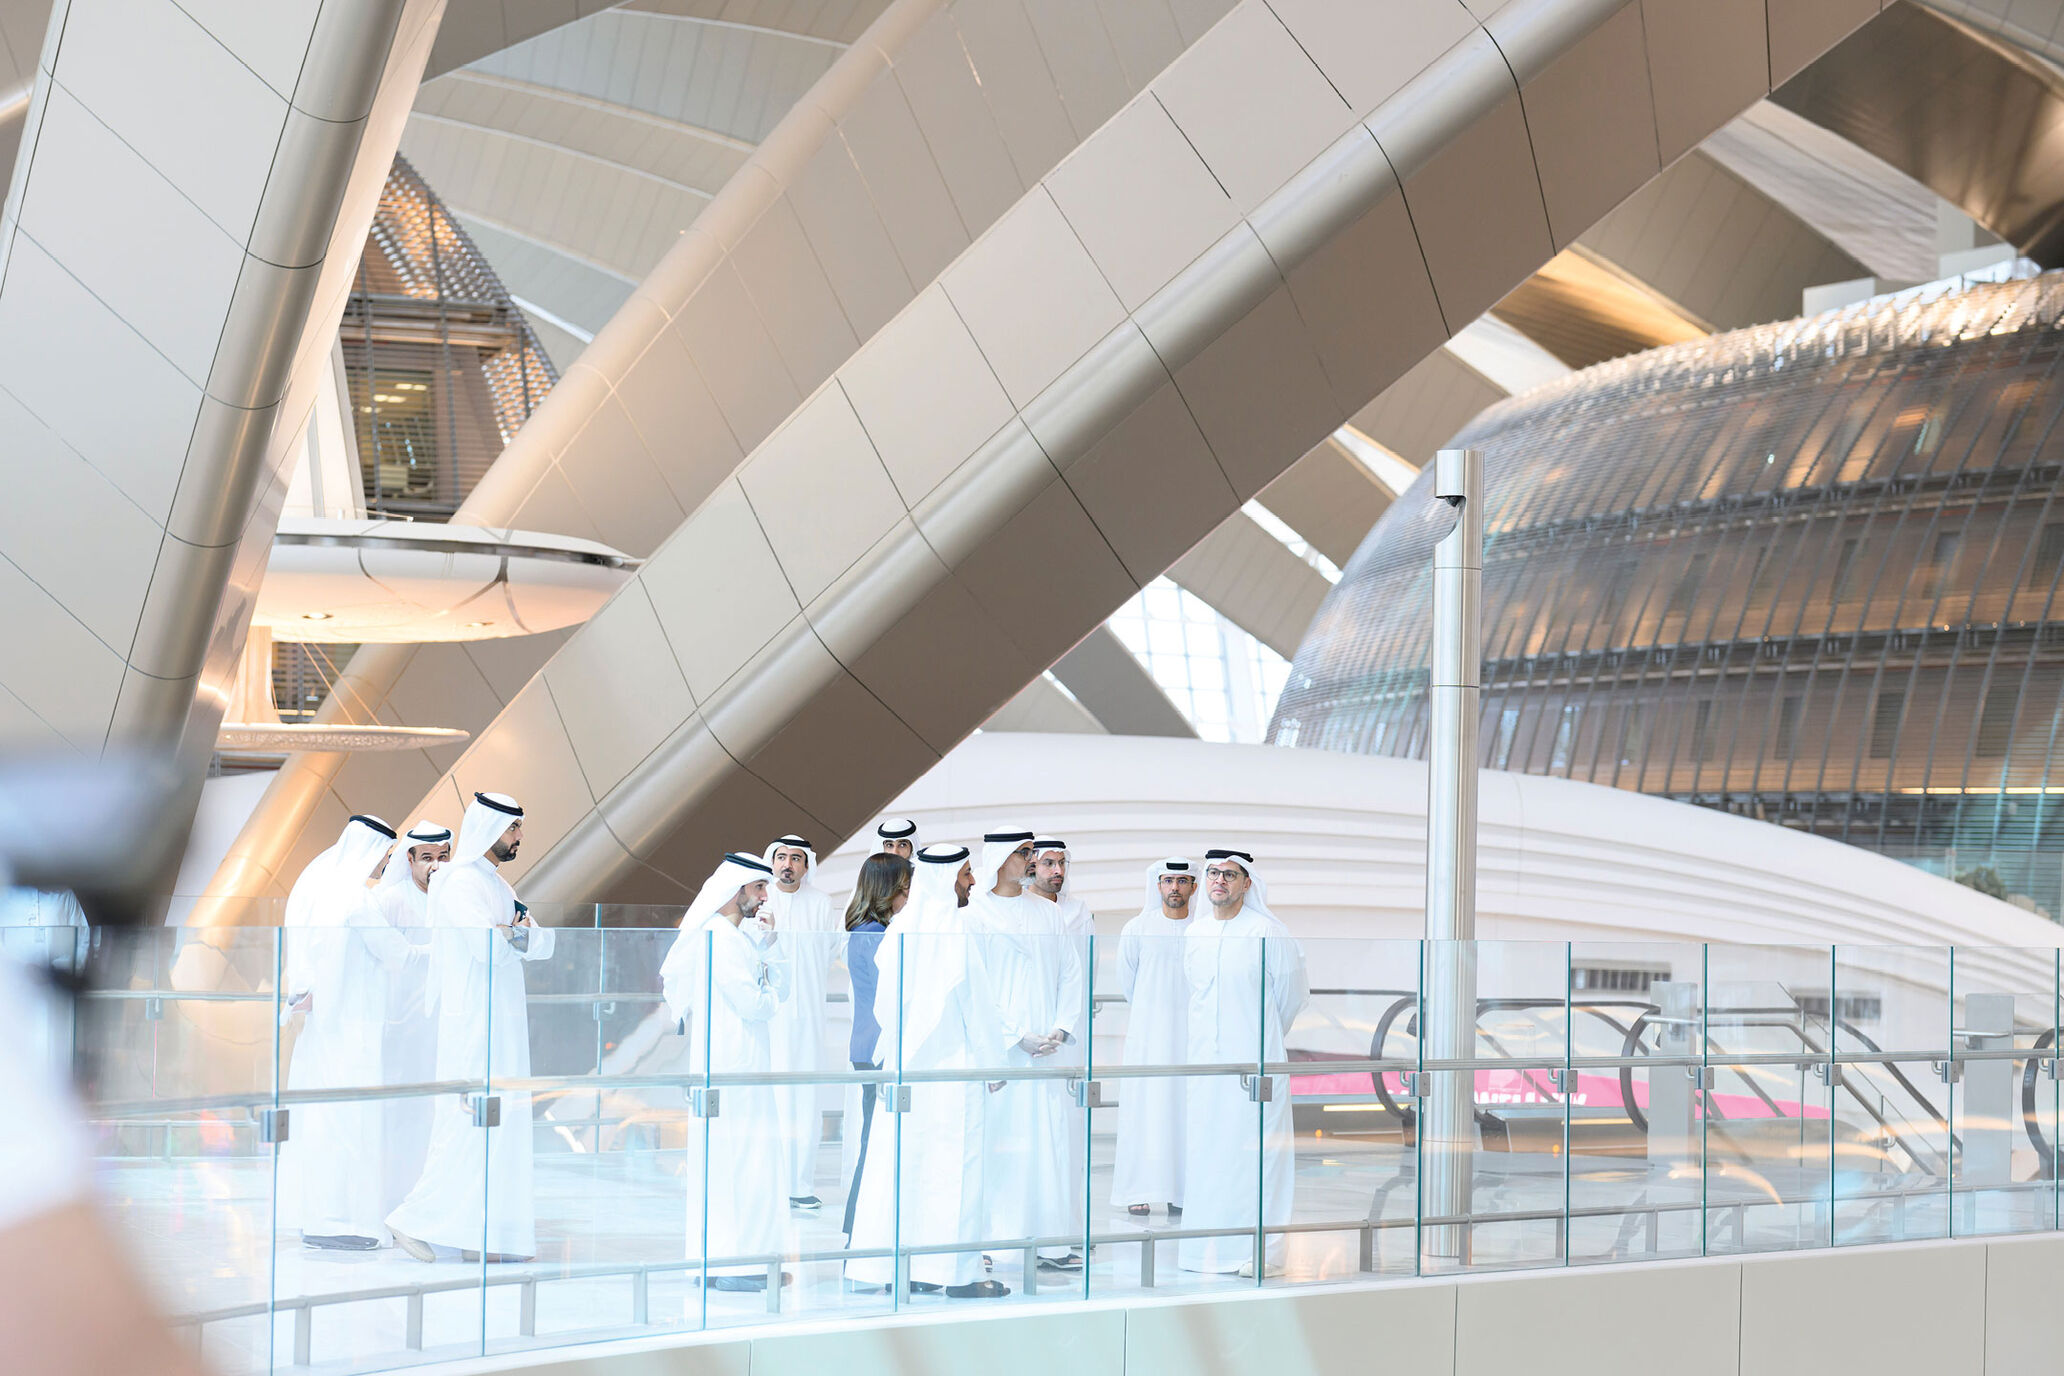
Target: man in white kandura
408 1045
336 958
480 938
936 1015
813 934
1149 1166
896 836
1048 881
726 977
1246 979
1035 975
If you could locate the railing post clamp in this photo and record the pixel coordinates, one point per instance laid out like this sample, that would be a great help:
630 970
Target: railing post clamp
486 1110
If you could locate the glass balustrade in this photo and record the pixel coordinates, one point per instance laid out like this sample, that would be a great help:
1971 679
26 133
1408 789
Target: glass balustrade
591 1131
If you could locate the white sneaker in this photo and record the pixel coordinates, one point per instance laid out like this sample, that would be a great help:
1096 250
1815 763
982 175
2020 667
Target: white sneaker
1247 1270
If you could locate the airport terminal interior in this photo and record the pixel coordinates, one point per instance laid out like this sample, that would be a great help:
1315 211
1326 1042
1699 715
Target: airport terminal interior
692 685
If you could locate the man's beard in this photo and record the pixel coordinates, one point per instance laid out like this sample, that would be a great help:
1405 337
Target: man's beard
504 851
748 908
1177 905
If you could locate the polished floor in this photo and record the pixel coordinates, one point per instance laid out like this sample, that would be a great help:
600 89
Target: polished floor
202 1230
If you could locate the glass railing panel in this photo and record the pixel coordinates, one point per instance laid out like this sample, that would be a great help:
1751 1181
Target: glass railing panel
1033 1026
1350 1050
1636 1170
1198 1137
1140 1116
2006 1102
774 1234
541 1109
863 1130
603 1112
968 1179
1509 1167
175 1038
1766 1113
362 1046
1888 1019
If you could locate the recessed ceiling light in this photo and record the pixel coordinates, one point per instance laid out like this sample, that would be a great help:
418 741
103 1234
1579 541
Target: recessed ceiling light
315 616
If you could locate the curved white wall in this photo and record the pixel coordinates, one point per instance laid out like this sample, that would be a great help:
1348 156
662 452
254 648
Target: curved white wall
1343 840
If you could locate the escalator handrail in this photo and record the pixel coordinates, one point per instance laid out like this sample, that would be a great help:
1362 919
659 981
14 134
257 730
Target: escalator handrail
2045 1153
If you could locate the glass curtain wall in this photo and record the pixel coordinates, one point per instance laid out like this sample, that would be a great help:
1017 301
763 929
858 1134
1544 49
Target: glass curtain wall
442 366
1805 572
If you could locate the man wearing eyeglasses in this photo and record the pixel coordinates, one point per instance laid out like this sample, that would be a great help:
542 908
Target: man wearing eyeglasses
1247 983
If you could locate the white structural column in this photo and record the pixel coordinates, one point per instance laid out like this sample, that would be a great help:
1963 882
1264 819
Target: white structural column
192 191
1449 1014
1308 201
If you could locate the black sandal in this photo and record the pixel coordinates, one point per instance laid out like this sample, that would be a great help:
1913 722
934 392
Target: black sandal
978 1290
1139 1210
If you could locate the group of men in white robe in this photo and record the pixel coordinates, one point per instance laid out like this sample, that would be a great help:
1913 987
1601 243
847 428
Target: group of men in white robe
403 965
985 972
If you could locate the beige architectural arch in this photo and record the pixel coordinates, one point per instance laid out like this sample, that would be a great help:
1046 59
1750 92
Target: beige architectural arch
919 135
185 215
1217 277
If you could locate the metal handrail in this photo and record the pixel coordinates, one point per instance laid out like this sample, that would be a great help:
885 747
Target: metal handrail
1028 1247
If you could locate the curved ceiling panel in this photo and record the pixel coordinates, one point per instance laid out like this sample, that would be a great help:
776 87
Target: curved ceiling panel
1203 290
154 387
1976 120
919 136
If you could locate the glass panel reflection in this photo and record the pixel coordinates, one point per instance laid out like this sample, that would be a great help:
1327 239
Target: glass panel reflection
607 1100
1806 572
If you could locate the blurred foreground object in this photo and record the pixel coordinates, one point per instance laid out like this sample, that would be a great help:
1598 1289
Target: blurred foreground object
109 830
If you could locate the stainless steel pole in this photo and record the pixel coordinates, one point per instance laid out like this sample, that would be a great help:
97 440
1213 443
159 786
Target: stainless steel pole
1447 1128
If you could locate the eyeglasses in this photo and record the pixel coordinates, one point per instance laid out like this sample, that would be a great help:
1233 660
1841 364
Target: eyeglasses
1216 873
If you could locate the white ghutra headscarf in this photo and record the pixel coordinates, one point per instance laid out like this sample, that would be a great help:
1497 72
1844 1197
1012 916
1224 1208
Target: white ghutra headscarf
342 868
1174 864
424 833
487 817
793 842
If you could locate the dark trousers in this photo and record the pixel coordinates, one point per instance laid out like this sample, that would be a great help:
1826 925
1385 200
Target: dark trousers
860 1164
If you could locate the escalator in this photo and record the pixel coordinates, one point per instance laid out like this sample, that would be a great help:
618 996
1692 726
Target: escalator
1769 1073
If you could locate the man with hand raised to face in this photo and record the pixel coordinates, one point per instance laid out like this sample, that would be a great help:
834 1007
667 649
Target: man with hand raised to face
812 933
1035 974
726 977
480 939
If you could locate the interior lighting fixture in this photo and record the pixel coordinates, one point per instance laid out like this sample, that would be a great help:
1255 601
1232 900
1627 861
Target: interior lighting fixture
315 616
1979 791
